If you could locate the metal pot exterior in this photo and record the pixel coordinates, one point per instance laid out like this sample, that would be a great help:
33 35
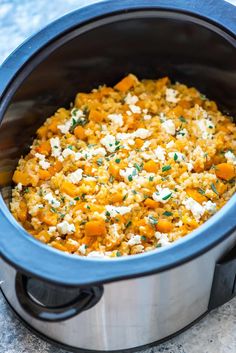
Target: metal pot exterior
133 312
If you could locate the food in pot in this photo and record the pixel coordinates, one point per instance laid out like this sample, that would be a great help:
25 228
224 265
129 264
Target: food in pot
126 170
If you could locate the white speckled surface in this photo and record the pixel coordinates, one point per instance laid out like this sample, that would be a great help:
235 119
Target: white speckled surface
216 333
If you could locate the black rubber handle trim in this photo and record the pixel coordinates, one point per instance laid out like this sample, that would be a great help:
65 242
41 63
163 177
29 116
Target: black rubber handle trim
224 281
87 298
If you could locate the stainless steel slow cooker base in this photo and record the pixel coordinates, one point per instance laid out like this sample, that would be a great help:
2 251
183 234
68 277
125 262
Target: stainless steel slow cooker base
133 312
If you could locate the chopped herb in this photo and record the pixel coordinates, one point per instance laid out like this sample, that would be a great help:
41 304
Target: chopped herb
26 191
139 168
117 143
167 214
181 118
214 189
130 178
81 121
83 196
70 147
99 161
145 197
143 238
125 197
134 192
151 178
201 191
166 168
88 207
107 214
167 196
111 179
118 254
83 223
53 210
158 245
40 192
175 157
77 198
128 224
152 220
117 160
203 97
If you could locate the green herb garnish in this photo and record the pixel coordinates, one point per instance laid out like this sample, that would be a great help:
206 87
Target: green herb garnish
128 224
166 168
152 220
181 118
117 160
201 191
175 157
167 196
99 161
214 189
167 214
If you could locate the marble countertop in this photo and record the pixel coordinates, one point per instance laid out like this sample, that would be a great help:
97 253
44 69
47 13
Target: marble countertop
216 333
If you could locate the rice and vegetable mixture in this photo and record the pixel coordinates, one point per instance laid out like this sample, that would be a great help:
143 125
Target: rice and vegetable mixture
128 169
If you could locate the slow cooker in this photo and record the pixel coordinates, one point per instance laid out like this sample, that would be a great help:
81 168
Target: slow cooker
129 302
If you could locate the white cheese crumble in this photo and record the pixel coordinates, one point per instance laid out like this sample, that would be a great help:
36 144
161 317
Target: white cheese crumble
82 249
141 133
231 158
52 229
76 176
134 240
147 117
135 109
129 99
96 254
209 206
162 238
182 134
160 153
51 199
108 142
196 208
117 119
115 211
170 144
99 151
65 128
128 173
43 164
65 228
169 127
171 95
55 146
177 156
206 127
19 187
162 195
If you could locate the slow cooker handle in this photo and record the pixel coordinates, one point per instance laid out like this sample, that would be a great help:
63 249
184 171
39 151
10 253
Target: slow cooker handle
224 281
86 298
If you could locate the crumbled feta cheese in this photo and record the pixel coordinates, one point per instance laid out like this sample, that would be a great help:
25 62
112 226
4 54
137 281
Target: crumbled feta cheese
76 176
115 211
128 112
171 95
109 142
117 119
55 146
44 164
160 153
128 173
177 156
162 238
196 208
169 126
52 229
65 128
163 195
96 254
99 151
189 166
182 134
145 145
135 109
82 249
206 127
147 117
19 187
170 144
40 156
209 206
134 240
231 158
52 200
142 133
65 228
129 99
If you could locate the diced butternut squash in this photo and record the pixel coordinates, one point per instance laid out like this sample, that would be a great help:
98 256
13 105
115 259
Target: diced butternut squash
117 197
22 177
225 171
151 203
57 167
138 143
69 189
22 211
44 148
126 83
44 174
151 166
59 246
42 131
196 195
96 116
53 126
48 217
164 226
79 132
95 228
162 82
114 170
88 169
